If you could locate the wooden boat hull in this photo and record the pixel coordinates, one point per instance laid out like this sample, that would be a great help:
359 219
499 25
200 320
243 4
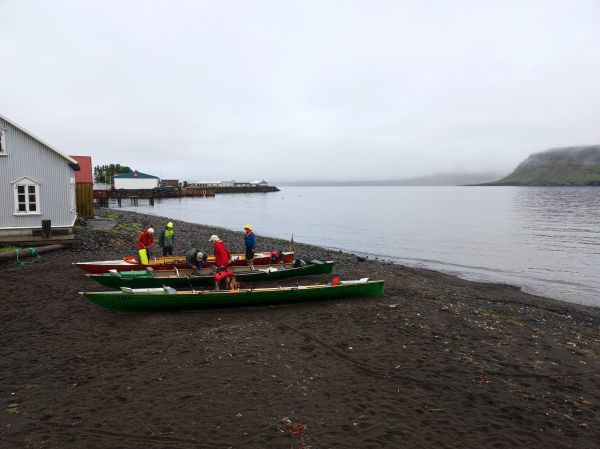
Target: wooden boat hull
147 279
161 263
132 301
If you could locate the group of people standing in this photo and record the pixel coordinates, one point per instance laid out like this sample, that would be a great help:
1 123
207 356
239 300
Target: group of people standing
195 258
145 241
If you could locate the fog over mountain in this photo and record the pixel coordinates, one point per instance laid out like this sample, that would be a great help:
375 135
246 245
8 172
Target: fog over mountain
584 156
440 179
572 166
311 90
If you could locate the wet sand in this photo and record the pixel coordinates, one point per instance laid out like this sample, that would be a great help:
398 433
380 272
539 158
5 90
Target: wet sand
439 362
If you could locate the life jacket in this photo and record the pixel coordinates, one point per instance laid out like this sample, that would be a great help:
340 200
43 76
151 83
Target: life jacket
224 274
249 240
144 240
168 238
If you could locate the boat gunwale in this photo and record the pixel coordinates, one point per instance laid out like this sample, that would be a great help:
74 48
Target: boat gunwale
240 291
120 301
161 278
162 274
167 260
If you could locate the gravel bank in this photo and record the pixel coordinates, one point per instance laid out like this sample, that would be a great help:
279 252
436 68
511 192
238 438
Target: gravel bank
439 362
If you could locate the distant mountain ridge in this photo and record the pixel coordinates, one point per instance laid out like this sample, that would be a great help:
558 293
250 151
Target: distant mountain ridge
442 179
571 166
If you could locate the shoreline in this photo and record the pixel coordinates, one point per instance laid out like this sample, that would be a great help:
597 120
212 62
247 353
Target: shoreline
529 285
439 361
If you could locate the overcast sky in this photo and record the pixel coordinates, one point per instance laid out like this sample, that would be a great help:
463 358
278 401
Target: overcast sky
306 89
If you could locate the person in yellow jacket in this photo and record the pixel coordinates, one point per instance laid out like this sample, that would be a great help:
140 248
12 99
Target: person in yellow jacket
167 239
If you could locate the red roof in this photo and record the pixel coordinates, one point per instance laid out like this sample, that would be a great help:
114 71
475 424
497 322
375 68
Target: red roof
85 172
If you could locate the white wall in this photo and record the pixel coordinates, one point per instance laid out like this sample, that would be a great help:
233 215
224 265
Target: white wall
25 156
136 183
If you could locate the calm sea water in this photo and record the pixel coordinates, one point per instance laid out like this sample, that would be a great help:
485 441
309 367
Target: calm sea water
546 240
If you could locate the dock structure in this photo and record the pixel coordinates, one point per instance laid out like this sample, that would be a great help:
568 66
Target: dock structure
101 194
134 200
134 195
233 186
198 191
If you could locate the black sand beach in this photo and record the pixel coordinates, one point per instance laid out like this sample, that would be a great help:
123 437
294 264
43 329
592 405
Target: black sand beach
439 362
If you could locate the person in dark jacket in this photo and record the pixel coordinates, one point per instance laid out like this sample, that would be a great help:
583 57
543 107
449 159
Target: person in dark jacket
167 239
195 259
249 243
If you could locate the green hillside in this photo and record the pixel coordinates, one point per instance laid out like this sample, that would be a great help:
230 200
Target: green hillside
573 166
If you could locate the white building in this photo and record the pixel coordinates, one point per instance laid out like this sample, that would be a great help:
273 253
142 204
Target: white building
232 183
262 183
37 182
207 183
135 180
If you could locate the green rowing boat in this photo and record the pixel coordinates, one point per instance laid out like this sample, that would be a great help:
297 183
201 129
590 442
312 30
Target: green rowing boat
189 279
168 298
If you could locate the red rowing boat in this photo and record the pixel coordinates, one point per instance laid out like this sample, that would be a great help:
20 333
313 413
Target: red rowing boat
130 263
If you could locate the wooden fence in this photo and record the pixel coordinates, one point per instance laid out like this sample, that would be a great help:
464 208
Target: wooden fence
84 193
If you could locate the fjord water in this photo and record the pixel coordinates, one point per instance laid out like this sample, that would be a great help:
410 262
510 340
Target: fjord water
546 240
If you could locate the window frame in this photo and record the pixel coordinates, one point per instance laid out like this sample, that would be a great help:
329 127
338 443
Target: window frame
3 143
26 183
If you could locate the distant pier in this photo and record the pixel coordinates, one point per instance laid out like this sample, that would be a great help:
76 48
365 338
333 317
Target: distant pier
252 189
132 197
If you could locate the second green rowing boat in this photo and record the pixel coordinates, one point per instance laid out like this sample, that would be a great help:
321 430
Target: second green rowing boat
190 279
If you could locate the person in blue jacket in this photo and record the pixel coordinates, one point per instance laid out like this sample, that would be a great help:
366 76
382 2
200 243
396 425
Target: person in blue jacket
249 243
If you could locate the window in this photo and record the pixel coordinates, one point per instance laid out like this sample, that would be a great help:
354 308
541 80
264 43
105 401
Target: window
27 197
2 141
72 194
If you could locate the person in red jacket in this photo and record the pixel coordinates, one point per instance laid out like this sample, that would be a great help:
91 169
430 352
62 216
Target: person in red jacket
222 259
143 242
